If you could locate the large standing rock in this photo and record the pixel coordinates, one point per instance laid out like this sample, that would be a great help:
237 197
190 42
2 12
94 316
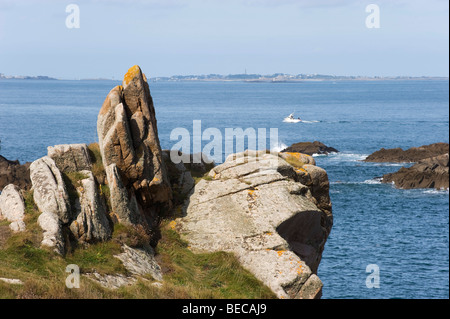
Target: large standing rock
50 193
128 138
428 173
12 207
254 206
70 157
12 172
91 223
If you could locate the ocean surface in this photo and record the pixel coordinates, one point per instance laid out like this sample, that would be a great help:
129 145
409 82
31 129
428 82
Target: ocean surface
404 232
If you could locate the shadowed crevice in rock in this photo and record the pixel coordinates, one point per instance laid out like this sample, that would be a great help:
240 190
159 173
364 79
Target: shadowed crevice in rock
12 172
305 236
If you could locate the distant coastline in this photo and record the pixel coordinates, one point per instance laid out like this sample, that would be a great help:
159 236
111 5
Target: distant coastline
252 78
25 77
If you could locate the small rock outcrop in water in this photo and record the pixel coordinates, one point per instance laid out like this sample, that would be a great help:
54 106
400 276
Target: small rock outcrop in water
414 154
310 148
428 173
255 206
132 157
12 172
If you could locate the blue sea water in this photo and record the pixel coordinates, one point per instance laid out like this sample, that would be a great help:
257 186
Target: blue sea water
404 232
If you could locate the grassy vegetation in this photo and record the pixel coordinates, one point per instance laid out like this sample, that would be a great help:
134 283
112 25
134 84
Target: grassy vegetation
186 275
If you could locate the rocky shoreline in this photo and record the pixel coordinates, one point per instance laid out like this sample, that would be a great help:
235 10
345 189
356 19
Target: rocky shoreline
270 210
430 171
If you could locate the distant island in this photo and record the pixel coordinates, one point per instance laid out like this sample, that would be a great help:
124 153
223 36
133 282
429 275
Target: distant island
255 78
282 77
25 77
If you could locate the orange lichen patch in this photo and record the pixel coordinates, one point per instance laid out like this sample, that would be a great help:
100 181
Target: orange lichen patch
133 72
269 233
300 270
295 155
172 224
280 252
251 192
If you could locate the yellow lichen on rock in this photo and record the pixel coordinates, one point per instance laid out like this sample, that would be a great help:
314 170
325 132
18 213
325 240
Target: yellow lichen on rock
131 74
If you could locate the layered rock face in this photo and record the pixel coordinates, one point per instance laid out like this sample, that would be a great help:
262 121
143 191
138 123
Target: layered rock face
428 173
91 223
310 148
255 206
50 193
414 154
86 218
12 172
132 157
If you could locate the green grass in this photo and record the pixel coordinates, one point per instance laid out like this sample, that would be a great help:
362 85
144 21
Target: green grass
186 274
207 275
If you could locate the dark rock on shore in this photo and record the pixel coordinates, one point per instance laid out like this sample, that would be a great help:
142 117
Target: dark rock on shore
310 148
12 172
428 173
413 154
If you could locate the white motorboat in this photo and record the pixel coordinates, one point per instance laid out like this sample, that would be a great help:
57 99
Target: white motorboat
291 119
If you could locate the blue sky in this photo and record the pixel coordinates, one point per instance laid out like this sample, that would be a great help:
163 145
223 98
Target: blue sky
169 37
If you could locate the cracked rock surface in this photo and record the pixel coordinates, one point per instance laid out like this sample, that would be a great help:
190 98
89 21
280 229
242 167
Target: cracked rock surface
255 206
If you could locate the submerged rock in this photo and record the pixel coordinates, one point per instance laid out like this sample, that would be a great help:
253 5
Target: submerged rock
12 207
310 148
12 172
254 206
428 173
414 154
